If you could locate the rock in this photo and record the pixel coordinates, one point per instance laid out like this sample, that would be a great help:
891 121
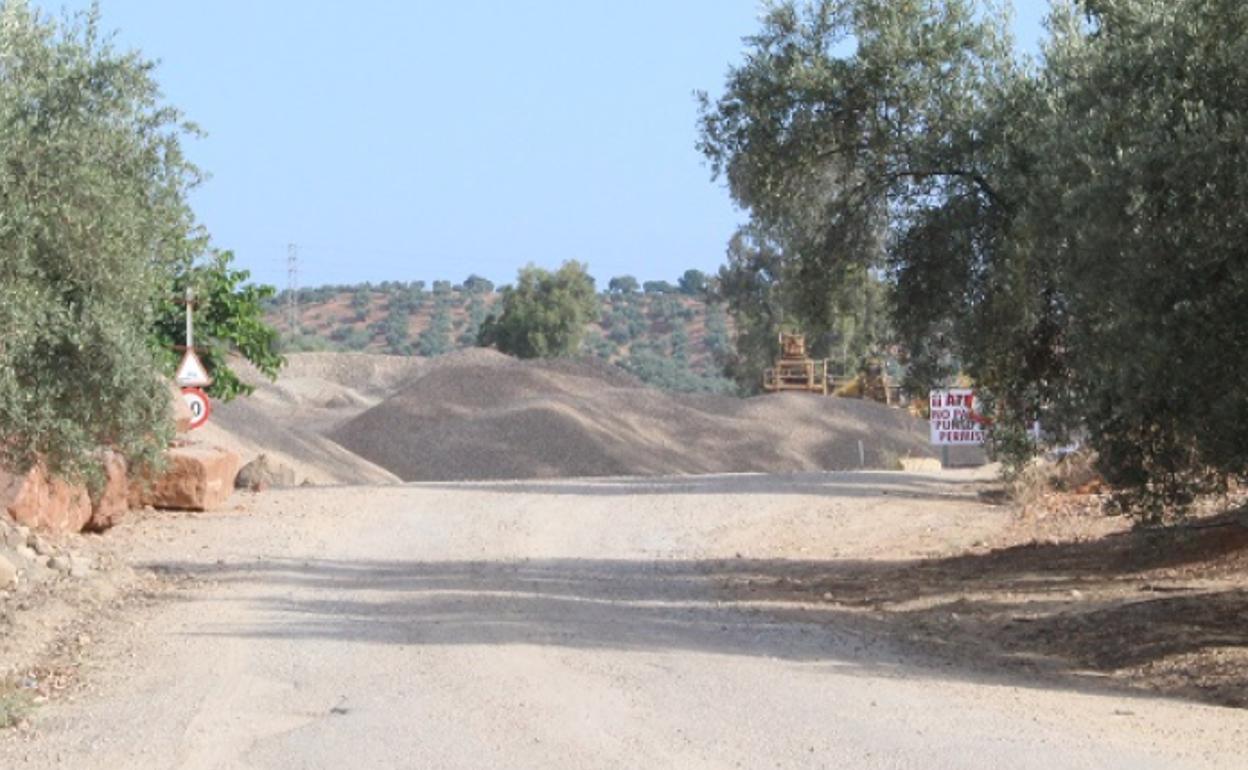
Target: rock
196 478
27 553
39 545
39 501
339 401
60 564
8 574
112 503
79 570
12 538
261 473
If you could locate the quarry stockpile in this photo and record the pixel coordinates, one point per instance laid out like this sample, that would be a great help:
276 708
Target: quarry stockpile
480 415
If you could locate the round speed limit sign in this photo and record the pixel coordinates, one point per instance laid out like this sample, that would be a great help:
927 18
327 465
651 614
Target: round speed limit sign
197 401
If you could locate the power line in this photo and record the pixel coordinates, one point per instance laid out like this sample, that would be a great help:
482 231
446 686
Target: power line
292 286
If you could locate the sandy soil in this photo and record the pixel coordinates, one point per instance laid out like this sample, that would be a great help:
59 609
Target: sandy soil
723 621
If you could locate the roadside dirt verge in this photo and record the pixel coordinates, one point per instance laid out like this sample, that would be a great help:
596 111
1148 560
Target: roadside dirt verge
66 590
1076 596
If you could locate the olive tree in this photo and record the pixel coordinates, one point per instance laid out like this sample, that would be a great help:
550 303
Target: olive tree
544 315
94 225
1068 232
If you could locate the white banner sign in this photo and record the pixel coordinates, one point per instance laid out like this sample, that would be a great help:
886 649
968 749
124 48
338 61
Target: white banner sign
955 421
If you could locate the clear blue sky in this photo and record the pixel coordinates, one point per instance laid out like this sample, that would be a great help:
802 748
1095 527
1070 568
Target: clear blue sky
408 140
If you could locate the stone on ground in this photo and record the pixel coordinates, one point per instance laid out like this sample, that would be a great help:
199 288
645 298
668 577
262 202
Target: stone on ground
39 501
196 478
8 574
263 473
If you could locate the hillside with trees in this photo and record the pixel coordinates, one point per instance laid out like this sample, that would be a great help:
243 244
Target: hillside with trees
670 334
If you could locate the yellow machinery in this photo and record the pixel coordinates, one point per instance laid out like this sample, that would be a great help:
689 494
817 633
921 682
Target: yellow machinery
794 370
871 382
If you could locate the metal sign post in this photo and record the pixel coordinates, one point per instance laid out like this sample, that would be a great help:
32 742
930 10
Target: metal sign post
190 321
191 374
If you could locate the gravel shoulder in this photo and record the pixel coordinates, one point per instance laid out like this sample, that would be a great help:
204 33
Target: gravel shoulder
585 623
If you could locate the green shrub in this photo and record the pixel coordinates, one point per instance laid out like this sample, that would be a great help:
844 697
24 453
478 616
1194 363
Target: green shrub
544 315
229 317
95 225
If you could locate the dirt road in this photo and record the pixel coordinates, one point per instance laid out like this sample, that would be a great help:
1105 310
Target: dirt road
577 624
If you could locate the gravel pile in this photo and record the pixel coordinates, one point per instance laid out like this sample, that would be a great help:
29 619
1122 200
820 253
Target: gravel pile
481 415
314 393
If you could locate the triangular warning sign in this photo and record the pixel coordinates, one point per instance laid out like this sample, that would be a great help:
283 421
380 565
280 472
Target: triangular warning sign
191 372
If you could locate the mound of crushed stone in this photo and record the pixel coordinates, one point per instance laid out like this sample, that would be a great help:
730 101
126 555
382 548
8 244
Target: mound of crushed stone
250 429
480 415
313 393
313 379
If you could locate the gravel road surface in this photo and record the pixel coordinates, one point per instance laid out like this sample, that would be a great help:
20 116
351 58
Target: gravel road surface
577 624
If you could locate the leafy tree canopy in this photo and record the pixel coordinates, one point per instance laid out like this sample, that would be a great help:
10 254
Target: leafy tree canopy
693 283
544 315
475 284
229 318
1070 239
623 284
94 225
658 287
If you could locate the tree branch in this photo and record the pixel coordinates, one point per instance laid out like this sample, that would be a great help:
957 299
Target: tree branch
973 176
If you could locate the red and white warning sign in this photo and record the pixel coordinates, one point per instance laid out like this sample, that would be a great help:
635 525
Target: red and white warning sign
956 418
191 372
197 401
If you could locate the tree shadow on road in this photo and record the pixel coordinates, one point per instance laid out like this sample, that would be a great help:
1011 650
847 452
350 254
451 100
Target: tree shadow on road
1124 611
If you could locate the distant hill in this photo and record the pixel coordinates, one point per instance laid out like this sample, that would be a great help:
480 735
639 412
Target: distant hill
667 338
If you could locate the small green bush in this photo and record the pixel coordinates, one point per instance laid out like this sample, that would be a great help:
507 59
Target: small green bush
544 315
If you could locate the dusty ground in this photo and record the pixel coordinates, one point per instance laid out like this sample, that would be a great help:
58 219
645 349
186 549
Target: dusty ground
1076 598
811 620
66 588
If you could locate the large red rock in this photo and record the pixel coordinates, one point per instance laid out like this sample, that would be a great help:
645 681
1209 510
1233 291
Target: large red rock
196 478
110 505
42 502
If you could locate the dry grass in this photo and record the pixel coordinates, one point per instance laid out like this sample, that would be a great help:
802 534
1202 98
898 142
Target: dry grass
16 705
1032 488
